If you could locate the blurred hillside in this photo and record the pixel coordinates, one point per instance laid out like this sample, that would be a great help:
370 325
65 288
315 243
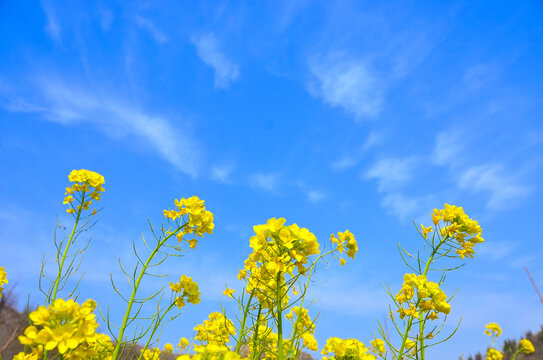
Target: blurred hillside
511 344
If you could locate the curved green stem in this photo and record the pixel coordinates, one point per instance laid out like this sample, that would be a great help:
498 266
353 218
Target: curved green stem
279 319
65 254
311 270
243 322
134 291
255 335
154 330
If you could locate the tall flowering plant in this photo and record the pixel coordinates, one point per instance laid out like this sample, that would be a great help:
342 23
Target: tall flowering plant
274 320
67 330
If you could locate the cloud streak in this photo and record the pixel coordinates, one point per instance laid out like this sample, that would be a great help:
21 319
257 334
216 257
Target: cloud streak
52 28
266 182
151 28
391 172
348 84
492 179
209 51
67 104
350 160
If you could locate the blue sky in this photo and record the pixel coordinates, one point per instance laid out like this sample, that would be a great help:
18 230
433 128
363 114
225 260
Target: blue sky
335 115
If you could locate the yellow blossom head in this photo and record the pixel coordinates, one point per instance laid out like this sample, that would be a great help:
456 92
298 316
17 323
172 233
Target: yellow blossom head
457 227
493 329
493 354
228 292
526 346
3 279
86 187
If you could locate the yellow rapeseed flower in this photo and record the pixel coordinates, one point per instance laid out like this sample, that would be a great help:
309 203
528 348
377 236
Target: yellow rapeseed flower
228 292
188 290
151 354
168 348
183 343
3 279
493 354
526 346
493 329
67 327
214 333
458 227
425 230
89 186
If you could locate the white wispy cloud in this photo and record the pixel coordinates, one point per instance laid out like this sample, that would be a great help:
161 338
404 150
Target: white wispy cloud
347 83
350 160
106 18
447 148
52 27
404 208
495 250
503 188
222 172
391 172
479 76
314 196
147 25
346 162
268 182
65 103
211 54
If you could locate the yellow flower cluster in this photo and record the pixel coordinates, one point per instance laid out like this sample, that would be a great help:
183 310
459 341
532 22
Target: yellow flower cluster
526 346
346 349
183 343
458 226
493 329
3 279
493 354
168 348
304 326
85 181
151 354
214 334
378 346
31 356
277 250
430 298
98 347
229 292
210 354
69 328
345 240
200 220
188 289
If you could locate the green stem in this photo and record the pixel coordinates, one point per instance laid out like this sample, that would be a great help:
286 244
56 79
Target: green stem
134 290
242 328
255 335
154 330
279 320
65 254
312 269
410 321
